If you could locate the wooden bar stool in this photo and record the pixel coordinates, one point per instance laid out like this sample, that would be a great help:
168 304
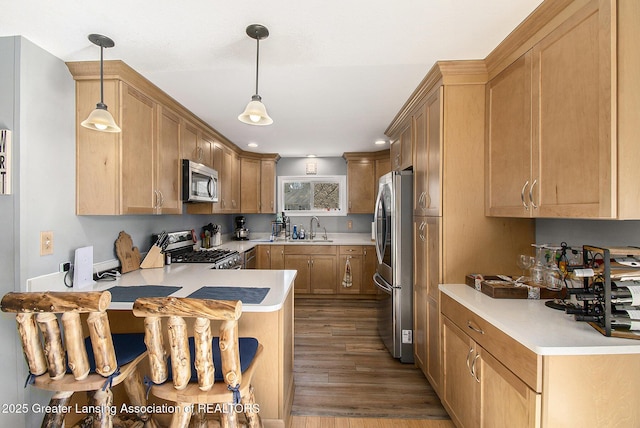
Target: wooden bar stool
73 361
209 374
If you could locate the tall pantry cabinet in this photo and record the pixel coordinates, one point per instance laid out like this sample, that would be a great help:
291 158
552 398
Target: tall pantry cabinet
452 236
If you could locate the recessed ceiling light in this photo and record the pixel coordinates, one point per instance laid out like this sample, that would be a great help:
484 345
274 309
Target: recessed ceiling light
252 144
311 156
380 142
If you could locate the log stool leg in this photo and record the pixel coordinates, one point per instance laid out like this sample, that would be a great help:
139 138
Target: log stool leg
229 419
253 418
181 417
103 400
54 420
135 391
199 419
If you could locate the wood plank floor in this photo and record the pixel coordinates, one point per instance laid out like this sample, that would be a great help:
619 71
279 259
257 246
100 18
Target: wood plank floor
343 369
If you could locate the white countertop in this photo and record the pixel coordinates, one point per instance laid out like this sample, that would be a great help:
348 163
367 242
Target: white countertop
191 277
544 330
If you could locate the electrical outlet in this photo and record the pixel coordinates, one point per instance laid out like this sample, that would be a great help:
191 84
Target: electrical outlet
65 266
350 224
46 243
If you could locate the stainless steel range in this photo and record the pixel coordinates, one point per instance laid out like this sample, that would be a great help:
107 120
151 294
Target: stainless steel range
181 247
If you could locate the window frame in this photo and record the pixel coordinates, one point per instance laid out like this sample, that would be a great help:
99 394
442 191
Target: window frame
341 180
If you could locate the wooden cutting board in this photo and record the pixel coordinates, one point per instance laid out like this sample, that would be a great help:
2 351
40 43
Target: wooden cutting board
494 287
128 255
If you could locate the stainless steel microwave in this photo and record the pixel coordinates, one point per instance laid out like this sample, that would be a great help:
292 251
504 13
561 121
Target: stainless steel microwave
199 182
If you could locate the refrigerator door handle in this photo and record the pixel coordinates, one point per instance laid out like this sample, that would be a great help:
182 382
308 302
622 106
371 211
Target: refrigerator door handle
382 284
375 220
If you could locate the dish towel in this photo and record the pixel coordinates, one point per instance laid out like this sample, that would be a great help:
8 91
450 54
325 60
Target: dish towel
346 279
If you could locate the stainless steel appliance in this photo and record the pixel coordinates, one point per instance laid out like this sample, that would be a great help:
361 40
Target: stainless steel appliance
250 259
199 182
241 232
181 250
394 276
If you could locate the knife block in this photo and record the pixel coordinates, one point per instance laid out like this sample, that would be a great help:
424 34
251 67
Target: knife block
154 258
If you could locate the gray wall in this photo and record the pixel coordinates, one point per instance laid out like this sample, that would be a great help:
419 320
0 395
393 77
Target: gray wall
13 372
37 103
590 232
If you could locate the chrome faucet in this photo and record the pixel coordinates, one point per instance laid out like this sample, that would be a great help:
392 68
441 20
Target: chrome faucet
311 232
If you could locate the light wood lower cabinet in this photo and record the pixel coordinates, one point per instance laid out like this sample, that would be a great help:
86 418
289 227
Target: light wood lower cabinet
353 255
492 380
369 267
321 268
270 256
478 390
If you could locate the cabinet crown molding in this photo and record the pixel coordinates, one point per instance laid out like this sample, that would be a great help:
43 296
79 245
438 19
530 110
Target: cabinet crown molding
464 72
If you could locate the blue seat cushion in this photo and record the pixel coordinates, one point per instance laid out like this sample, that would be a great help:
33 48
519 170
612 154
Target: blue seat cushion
248 347
128 347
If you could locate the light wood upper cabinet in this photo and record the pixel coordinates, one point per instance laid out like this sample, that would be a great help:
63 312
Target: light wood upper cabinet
402 149
363 171
133 172
227 163
169 171
508 148
258 184
427 167
138 171
559 130
361 191
268 185
250 185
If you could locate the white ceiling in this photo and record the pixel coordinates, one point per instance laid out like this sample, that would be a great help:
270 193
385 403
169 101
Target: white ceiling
333 74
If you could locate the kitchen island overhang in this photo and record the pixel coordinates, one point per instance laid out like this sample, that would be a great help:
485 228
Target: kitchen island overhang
270 321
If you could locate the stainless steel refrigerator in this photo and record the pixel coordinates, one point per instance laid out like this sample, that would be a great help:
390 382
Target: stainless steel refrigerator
394 276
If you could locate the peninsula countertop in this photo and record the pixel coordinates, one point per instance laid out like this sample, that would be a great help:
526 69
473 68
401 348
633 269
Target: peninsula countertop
544 330
191 277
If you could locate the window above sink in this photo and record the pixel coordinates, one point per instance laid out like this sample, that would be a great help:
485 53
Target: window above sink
316 195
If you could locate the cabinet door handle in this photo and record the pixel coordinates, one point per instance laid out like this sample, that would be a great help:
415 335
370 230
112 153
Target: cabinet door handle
155 205
473 368
161 198
421 229
468 362
526 207
476 329
533 204
268 252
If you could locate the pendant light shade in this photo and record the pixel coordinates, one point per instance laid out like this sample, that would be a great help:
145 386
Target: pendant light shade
256 112
100 119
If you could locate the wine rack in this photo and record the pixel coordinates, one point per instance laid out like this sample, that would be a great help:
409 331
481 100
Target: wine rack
604 266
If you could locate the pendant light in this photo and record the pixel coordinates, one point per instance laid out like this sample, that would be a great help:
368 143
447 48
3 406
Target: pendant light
100 119
256 112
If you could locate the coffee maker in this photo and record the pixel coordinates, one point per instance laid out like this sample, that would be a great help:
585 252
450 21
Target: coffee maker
241 232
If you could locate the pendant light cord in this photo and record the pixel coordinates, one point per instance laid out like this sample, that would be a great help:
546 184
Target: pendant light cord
101 76
257 61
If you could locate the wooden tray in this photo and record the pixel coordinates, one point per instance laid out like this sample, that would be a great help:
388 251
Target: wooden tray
494 287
